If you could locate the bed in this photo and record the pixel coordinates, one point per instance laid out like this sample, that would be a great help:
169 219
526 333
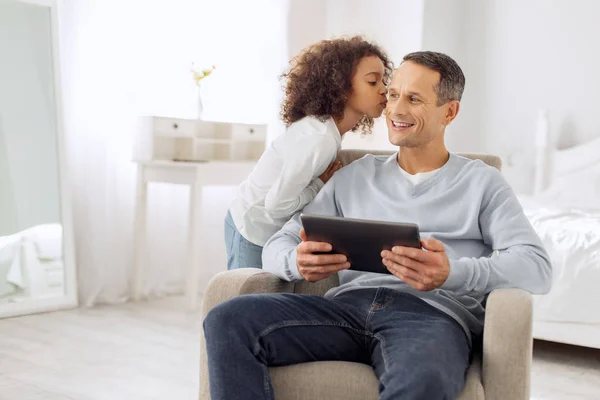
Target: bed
565 211
31 264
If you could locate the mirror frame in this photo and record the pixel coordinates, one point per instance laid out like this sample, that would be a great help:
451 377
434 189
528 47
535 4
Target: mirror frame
69 298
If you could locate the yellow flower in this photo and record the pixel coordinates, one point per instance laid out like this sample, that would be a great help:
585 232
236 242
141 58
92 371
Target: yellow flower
198 75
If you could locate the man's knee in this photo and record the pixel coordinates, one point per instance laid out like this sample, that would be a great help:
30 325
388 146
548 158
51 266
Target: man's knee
423 379
227 317
432 382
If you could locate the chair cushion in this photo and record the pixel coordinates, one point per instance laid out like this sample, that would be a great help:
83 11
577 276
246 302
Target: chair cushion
331 380
339 380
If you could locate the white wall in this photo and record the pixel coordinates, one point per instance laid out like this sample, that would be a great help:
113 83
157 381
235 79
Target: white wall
445 25
395 24
307 24
27 113
8 216
543 54
529 55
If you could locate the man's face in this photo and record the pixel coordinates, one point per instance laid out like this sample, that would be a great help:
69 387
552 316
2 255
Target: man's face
413 117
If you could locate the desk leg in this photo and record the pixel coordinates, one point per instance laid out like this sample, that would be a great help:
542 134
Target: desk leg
193 268
139 235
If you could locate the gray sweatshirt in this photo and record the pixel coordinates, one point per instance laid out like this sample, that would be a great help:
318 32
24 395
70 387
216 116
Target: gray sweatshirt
467 205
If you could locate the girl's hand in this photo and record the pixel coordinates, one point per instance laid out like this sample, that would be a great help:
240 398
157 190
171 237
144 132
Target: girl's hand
334 166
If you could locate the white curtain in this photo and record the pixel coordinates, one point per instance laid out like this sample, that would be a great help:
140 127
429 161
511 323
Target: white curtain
126 58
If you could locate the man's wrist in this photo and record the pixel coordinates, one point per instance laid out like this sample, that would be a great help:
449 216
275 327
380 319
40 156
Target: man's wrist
455 281
293 272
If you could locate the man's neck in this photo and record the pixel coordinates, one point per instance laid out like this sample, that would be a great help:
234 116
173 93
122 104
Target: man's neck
427 158
348 121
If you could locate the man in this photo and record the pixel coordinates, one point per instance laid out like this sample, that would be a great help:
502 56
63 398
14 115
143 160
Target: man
415 326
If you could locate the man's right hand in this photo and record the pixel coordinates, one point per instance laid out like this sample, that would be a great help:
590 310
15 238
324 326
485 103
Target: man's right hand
314 267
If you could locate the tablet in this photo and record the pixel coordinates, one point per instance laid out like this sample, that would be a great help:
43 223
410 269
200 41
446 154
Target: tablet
362 241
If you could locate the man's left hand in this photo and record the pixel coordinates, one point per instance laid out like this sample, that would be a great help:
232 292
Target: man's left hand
423 270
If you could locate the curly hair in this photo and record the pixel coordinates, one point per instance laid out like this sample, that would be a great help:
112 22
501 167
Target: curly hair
319 79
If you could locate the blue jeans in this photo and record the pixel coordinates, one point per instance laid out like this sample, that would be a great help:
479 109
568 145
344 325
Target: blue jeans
240 252
416 351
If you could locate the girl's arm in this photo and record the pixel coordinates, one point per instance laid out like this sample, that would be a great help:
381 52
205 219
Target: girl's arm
298 182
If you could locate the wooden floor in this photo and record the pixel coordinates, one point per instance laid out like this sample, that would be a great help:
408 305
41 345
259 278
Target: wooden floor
131 351
149 351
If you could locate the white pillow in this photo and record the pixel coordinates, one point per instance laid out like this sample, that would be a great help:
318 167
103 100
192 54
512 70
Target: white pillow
580 190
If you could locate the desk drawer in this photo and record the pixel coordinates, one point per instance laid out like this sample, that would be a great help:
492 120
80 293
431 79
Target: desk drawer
248 132
174 127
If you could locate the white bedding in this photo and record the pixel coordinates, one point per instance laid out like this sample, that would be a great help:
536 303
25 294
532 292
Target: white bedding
572 238
24 254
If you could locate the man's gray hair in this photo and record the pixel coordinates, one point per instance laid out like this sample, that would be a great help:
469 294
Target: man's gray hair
452 79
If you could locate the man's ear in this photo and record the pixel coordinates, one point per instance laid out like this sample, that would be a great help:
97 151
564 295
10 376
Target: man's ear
452 109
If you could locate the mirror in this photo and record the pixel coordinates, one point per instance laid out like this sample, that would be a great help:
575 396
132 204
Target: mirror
36 264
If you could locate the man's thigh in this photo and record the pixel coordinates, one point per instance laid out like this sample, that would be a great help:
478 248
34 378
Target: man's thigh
284 329
417 351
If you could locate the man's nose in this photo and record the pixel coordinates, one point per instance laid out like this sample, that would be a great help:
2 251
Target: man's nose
397 107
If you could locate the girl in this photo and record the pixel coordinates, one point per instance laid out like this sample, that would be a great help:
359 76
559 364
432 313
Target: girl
332 87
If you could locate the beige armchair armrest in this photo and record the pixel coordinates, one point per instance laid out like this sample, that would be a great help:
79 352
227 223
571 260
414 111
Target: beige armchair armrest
507 345
227 285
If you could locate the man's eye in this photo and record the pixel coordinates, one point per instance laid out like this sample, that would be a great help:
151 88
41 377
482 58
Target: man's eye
393 96
414 100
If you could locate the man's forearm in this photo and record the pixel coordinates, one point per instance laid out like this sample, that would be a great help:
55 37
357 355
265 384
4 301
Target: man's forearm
279 253
521 261
520 267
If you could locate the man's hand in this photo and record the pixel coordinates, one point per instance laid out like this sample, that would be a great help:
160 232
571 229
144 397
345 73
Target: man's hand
333 167
314 267
423 270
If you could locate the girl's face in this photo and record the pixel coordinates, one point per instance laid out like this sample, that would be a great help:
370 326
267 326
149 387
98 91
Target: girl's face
368 95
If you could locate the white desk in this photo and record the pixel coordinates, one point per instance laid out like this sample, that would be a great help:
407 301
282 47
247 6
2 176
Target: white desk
194 175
